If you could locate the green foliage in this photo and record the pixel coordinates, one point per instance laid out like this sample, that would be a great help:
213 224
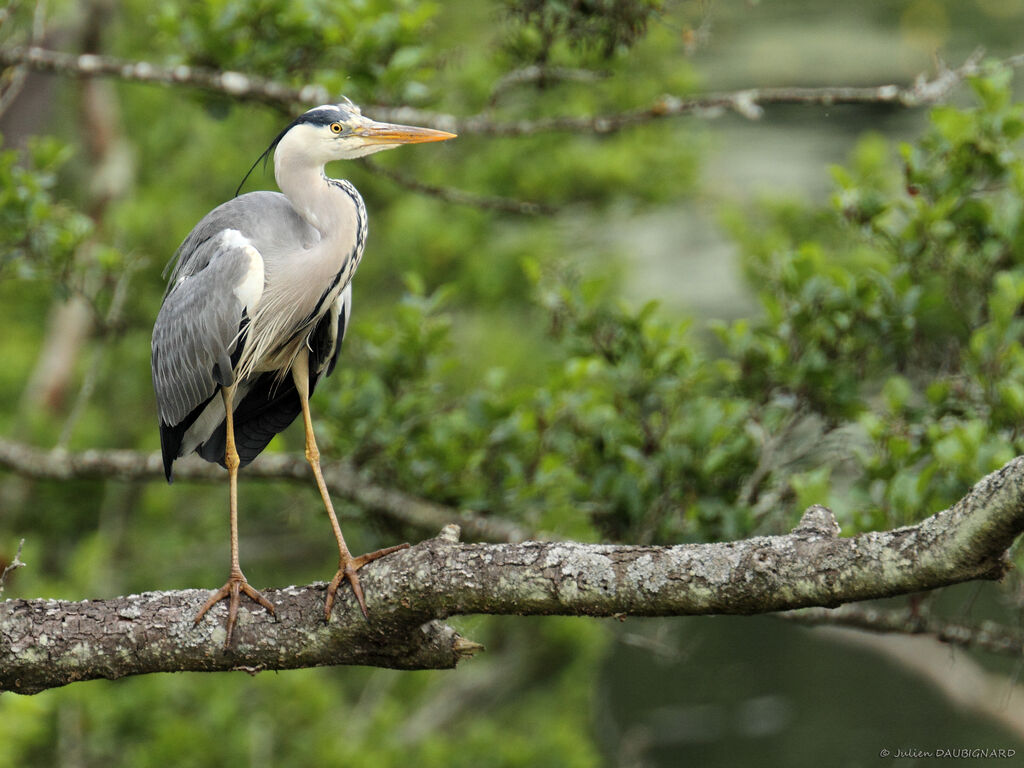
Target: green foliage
625 431
605 26
38 233
899 310
890 323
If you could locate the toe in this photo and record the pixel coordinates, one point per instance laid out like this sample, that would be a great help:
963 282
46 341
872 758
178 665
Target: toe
257 597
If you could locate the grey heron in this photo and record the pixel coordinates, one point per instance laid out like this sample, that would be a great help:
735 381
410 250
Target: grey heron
255 312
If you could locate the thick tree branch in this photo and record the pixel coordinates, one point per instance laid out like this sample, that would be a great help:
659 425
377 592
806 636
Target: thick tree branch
47 643
748 102
342 478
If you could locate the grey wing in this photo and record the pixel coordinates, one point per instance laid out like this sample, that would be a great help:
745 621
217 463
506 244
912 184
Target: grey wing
199 325
266 219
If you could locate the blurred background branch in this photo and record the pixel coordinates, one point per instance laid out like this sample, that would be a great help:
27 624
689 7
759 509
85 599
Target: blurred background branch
342 478
972 688
748 102
460 197
541 76
990 637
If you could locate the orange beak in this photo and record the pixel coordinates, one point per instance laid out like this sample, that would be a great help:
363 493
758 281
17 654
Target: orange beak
389 133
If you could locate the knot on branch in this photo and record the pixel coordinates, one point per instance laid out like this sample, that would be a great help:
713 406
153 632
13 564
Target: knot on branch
817 522
450 534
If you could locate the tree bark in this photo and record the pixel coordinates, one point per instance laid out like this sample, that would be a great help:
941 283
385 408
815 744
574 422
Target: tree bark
49 643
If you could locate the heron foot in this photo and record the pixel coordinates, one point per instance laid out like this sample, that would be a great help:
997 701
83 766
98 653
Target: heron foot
232 590
347 569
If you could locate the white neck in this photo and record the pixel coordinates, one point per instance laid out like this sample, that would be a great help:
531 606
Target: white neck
307 189
333 208
299 170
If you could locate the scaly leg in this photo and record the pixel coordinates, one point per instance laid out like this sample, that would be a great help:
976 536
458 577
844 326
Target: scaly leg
236 583
347 565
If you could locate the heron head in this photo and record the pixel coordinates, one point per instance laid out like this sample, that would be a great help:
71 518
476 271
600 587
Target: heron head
341 132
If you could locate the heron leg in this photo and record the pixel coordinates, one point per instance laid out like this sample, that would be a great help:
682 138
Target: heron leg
236 583
348 566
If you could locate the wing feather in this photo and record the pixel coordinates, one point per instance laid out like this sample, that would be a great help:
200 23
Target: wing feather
198 328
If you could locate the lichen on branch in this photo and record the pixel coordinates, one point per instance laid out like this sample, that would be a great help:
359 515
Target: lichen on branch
49 643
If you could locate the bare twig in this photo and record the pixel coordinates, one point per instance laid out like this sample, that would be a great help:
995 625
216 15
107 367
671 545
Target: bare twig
411 590
748 102
14 565
460 197
987 636
342 478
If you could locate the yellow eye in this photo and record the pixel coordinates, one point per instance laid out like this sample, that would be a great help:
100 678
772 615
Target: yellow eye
335 127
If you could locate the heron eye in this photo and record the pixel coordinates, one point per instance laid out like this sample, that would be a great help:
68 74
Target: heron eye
335 128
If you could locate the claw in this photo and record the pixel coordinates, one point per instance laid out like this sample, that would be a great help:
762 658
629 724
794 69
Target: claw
232 590
347 569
